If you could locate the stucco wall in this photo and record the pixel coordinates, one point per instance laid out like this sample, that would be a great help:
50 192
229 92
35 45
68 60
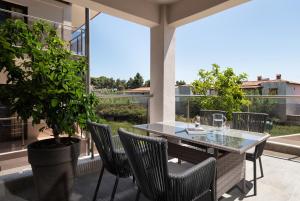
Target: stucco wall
3 77
293 104
281 86
280 109
46 9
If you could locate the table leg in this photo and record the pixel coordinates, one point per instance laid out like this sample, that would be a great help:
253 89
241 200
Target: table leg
216 153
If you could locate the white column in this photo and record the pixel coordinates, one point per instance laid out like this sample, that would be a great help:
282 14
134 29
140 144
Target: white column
162 73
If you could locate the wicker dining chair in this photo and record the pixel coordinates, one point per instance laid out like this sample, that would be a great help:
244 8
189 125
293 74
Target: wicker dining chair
255 122
206 116
111 151
149 162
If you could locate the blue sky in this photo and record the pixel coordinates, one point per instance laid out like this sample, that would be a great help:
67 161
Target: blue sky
261 37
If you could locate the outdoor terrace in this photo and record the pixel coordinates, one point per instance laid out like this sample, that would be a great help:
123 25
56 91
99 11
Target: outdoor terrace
281 182
281 179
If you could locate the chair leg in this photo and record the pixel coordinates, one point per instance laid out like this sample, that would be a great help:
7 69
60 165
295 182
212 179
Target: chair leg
213 194
213 187
254 175
98 184
115 189
138 195
133 179
261 167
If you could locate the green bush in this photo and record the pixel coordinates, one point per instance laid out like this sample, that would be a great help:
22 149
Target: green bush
134 113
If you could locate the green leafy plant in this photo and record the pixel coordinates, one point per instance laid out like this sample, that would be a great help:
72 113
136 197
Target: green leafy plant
45 81
221 90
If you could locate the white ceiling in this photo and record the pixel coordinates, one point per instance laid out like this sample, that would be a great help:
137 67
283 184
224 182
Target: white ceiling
163 1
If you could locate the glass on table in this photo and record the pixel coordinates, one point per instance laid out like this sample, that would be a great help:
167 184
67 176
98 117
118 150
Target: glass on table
197 121
219 120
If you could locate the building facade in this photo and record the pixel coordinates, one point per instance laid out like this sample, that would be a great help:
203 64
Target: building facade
286 107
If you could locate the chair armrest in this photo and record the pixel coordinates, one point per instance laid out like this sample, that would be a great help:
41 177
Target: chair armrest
195 181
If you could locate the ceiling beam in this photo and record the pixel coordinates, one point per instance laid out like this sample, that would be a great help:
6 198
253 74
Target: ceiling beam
186 11
141 12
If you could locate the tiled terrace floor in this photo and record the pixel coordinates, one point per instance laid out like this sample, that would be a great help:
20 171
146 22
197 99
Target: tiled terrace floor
281 183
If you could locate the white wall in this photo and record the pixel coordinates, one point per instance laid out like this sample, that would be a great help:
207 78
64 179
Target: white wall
293 104
47 9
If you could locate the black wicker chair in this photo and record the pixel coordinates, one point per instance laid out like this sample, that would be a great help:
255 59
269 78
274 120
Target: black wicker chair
255 122
149 162
111 151
206 116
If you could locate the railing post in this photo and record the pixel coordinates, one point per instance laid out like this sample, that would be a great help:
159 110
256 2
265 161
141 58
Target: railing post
248 107
188 109
87 54
81 34
62 31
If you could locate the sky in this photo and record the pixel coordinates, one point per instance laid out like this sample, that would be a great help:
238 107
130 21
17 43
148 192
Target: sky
261 37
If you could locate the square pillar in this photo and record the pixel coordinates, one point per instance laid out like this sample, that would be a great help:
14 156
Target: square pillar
162 72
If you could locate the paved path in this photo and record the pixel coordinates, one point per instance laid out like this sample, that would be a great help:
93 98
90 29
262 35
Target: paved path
288 139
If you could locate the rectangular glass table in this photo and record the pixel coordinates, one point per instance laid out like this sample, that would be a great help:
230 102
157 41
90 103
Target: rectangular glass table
231 140
228 146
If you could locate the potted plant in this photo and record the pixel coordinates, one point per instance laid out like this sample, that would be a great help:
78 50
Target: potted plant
46 83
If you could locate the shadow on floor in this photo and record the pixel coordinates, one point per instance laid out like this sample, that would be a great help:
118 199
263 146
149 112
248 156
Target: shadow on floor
85 186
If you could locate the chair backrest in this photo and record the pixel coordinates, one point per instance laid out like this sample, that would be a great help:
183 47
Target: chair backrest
206 116
148 159
259 149
101 135
255 122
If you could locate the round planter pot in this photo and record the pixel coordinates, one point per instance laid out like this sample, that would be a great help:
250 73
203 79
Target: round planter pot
54 167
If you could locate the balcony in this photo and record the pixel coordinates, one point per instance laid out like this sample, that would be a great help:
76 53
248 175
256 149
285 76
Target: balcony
73 36
121 110
281 159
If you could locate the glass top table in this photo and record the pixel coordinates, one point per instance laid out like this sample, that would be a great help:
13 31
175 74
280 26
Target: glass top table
231 140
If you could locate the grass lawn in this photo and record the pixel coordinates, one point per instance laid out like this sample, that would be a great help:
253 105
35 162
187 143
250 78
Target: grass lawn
115 125
284 130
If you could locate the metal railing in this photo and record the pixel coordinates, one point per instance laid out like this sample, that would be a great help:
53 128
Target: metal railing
125 110
73 35
283 110
131 104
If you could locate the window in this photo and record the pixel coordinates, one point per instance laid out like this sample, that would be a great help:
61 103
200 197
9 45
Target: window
12 7
273 91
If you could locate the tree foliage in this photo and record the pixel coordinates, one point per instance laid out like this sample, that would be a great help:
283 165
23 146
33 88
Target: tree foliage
147 83
221 90
135 82
180 82
45 81
103 82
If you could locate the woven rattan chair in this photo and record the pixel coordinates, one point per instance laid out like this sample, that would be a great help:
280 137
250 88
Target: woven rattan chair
111 151
206 116
255 122
149 162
